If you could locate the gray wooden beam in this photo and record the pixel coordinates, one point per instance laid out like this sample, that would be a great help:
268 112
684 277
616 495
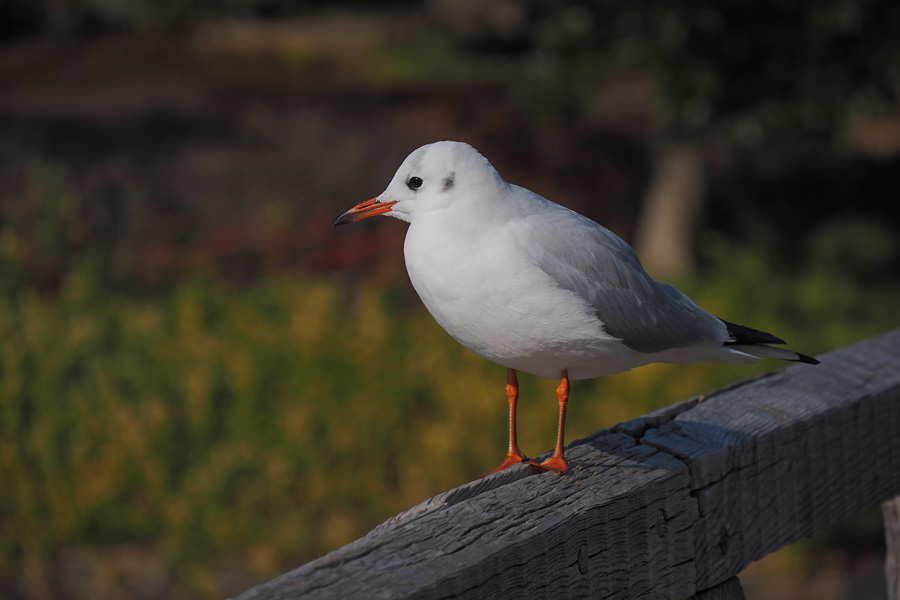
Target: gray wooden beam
669 505
730 589
891 511
778 459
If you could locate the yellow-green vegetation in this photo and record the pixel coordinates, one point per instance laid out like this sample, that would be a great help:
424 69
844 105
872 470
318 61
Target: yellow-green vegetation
268 424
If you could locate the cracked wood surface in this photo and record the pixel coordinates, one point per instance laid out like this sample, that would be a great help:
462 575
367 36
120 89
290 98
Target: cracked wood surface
669 505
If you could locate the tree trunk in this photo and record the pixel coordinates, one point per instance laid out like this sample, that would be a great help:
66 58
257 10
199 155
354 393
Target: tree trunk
669 219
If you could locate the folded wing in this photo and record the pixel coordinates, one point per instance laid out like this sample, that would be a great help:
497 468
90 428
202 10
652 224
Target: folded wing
588 259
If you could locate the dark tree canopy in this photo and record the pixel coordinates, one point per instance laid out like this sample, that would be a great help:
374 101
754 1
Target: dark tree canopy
773 66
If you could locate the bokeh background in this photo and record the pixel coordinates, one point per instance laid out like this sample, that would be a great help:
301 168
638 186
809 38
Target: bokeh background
203 385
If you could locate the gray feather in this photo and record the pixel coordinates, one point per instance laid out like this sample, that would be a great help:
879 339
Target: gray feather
596 264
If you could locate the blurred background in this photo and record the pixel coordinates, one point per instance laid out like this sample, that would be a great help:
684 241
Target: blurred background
203 385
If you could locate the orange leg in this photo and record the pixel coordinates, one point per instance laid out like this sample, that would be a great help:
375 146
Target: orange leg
557 462
514 456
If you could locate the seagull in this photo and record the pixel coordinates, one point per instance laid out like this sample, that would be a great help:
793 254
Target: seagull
533 286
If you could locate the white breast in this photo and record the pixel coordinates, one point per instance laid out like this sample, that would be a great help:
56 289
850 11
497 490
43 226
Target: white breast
486 294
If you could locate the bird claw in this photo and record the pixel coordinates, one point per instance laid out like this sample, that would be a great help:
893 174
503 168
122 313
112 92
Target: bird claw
554 463
513 457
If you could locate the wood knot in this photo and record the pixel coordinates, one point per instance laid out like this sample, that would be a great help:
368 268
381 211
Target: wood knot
583 560
662 523
724 538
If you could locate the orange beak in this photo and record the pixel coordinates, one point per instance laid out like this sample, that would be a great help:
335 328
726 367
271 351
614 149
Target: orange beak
364 210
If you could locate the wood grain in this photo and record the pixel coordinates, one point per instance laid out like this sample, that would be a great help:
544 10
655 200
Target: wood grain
891 511
730 589
669 505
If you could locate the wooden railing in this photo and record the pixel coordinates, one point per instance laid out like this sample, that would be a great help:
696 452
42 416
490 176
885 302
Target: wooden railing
670 505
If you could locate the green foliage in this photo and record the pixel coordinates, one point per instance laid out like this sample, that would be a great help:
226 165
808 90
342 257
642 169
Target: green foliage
282 421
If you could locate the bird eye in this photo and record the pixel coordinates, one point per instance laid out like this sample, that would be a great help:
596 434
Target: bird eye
414 183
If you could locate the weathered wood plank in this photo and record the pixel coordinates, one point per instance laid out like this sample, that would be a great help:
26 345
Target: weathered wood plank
787 455
891 511
730 589
633 527
659 507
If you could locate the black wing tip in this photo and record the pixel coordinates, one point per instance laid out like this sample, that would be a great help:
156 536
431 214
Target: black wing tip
748 335
742 335
809 360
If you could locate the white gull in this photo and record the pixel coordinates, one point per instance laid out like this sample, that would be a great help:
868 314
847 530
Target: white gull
535 287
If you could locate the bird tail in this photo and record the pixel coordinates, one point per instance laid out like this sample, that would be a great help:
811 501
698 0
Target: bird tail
764 351
756 343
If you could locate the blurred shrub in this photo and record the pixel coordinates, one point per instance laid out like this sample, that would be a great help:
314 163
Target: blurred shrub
277 423
40 231
859 249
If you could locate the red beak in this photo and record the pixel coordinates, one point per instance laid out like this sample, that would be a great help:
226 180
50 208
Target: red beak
364 210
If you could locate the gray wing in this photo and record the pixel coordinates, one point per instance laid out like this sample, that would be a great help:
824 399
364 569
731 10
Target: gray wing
595 263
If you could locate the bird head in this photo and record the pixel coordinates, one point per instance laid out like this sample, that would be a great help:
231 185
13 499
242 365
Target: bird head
431 178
